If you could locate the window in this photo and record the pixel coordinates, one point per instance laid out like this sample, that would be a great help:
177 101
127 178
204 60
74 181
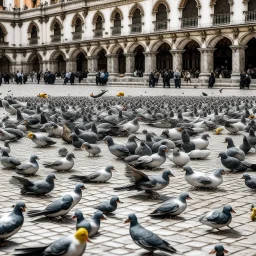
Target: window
161 18
136 22
57 29
190 14
1 36
117 24
78 25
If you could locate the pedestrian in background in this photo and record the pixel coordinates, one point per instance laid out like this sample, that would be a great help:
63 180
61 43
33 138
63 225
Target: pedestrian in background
211 81
177 78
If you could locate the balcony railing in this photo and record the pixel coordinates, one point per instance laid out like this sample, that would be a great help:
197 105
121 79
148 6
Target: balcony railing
250 16
33 41
223 18
116 30
136 28
56 38
189 22
161 25
98 33
77 35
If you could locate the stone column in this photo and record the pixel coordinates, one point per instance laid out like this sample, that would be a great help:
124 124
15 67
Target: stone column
92 64
112 64
130 63
44 66
238 61
206 66
70 65
150 62
177 59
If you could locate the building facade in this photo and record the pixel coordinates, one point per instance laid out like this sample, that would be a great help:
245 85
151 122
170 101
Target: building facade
123 35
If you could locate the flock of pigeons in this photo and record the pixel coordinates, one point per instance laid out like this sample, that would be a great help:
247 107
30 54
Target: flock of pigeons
84 122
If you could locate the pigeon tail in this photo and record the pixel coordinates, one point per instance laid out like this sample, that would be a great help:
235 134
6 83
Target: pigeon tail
36 213
38 251
166 247
126 188
79 178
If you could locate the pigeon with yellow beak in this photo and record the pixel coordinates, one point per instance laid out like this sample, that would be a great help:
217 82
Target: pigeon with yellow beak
43 95
120 94
219 130
72 245
253 214
40 139
219 250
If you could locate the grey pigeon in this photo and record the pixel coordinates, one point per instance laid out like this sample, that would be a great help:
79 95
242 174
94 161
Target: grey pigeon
145 238
233 151
252 138
40 187
12 223
218 218
29 168
187 144
143 149
63 152
76 141
219 250
249 180
8 161
131 144
109 206
245 146
92 149
116 149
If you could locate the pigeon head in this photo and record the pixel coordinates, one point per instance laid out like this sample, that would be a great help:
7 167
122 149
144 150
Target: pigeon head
132 219
219 172
184 196
219 250
82 235
108 140
246 176
19 207
98 215
115 200
34 157
6 143
79 187
50 177
176 152
163 149
136 120
251 132
205 136
70 156
167 174
229 141
144 131
78 215
228 209
166 133
110 168
86 145
132 138
4 153
188 170
222 155
185 137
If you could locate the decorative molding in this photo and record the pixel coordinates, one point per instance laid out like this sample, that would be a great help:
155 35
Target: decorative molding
96 15
85 12
53 23
251 29
187 35
2 27
107 42
77 16
20 23
174 37
24 52
44 51
125 42
203 35
147 39
218 32
160 37
134 8
88 46
31 25
114 12
158 3
63 16
235 33
183 3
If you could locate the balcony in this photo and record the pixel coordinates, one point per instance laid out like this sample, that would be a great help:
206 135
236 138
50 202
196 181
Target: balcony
161 25
98 32
56 38
189 22
33 40
136 28
116 30
77 35
223 18
250 16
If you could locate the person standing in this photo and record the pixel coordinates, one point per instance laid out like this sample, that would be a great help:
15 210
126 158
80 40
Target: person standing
211 81
151 80
177 78
67 77
97 77
188 76
38 77
72 78
106 75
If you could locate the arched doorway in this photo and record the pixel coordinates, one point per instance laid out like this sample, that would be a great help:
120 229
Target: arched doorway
250 56
34 64
61 64
139 58
191 56
102 61
4 65
81 62
164 57
223 55
121 61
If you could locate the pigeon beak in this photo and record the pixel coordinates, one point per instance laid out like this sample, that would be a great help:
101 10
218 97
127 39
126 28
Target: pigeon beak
127 221
171 175
103 218
83 188
119 202
233 211
74 217
225 251
166 150
82 146
218 156
105 141
212 252
87 240
113 169
189 198
24 209
242 178
180 129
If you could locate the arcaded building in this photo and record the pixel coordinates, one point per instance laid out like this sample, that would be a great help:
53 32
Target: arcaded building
124 35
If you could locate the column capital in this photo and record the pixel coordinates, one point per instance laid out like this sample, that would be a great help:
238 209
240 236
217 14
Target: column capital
177 51
129 54
208 49
234 48
112 55
91 57
149 53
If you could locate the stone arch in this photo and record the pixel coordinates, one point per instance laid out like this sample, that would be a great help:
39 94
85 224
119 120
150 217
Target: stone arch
53 23
7 57
133 46
134 8
96 15
2 27
5 63
73 55
246 38
183 42
213 2
214 40
183 3
77 16
95 51
114 12
56 54
115 48
31 25
158 3
155 46
34 55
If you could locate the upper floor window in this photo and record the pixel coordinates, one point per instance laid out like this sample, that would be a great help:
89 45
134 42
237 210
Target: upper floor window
34 32
117 24
251 14
136 22
33 35
2 35
78 25
190 14
161 18
221 12
57 29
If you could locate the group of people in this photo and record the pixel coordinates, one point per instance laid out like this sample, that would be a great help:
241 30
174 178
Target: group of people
101 77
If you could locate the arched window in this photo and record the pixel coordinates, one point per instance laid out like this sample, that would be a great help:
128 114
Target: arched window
56 32
99 27
190 14
2 35
251 14
33 35
78 25
161 18
221 12
136 22
117 24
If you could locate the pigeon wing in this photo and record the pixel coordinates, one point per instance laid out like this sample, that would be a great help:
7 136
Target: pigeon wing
58 248
7 226
123 149
213 217
135 175
93 176
57 206
204 180
168 207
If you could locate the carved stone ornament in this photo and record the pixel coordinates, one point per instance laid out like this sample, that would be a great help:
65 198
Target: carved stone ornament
2 52
14 55
107 44
235 33
77 46
147 39
203 35
88 46
85 12
46 19
251 29
160 37
135 39
20 23
125 42
63 16
67 48
44 51
57 48
24 53
34 50
187 35
174 37
13 24
218 32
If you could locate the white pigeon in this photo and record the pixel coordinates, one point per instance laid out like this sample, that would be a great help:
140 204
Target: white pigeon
179 158
201 143
199 154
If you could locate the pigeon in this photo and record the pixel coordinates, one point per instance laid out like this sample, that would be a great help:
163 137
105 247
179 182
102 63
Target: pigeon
219 250
233 151
92 149
252 138
103 175
187 144
131 144
11 223
29 168
40 187
204 94
234 164
233 128
140 181
179 158
145 238
170 144
92 225
132 126
9 161
9 108
76 141
6 146
65 164
201 143
76 194
109 206
98 95
218 218
199 179
74 244
220 90
249 180
199 154
245 146
57 208
41 140
63 152
172 207
143 149
116 149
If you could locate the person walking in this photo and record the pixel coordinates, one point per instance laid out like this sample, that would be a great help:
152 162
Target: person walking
188 77
72 78
247 80
211 81
177 78
38 77
67 77
106 75
151 80
242 80
97 77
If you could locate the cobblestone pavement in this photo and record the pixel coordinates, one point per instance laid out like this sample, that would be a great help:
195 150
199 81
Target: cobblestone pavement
185 232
